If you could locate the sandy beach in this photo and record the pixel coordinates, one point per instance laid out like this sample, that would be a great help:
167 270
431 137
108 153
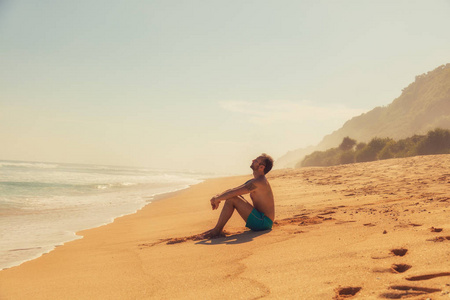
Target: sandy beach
378 230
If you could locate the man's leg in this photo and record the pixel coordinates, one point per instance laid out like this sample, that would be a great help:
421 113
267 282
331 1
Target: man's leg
243 208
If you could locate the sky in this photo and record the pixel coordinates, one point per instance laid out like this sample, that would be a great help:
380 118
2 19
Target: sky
202 85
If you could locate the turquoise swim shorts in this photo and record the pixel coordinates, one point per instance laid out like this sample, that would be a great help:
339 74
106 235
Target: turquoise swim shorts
258 221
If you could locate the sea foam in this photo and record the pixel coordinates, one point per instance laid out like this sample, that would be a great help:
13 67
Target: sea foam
43 205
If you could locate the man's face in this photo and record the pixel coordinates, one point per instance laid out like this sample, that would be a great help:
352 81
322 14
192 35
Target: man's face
256 163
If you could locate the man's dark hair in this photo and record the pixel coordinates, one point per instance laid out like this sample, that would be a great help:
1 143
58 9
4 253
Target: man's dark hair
268 162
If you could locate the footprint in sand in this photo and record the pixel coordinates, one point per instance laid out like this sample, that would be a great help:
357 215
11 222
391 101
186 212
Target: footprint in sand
327 213
171 241
400 268
346 292
434 229
395 268
399 252
301 220
428 276
405 291
395 252
439 239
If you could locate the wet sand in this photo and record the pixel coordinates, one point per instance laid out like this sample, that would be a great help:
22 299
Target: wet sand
378 230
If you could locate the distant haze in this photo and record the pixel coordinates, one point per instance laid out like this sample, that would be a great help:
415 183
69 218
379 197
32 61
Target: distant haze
202 85
423 106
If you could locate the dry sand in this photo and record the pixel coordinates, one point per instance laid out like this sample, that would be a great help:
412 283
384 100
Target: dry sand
378 230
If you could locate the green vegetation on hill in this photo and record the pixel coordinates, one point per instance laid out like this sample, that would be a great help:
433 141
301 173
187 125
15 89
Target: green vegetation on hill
349 151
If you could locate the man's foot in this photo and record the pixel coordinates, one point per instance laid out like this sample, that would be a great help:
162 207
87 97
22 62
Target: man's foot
212 234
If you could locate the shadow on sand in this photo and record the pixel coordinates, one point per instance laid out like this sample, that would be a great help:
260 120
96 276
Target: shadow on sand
238 238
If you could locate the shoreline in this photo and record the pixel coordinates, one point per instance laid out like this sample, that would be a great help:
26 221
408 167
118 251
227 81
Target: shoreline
336 234
75 235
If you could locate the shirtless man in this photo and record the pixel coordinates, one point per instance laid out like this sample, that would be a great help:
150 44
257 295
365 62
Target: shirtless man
260 216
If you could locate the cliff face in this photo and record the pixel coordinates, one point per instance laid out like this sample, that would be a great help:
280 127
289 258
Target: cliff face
422 106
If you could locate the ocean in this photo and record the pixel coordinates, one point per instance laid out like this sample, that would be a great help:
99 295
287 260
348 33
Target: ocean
43 205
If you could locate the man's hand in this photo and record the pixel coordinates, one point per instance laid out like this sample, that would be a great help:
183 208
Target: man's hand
215 202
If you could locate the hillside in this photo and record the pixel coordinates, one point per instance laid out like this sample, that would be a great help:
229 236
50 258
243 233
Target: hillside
422 106
291 158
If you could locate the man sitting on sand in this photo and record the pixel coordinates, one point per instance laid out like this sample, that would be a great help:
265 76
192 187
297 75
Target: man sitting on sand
259 216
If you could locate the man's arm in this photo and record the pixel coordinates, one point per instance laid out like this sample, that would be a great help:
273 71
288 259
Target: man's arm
246 188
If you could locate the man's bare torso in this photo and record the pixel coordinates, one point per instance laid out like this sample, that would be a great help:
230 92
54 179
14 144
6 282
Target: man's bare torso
262 197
